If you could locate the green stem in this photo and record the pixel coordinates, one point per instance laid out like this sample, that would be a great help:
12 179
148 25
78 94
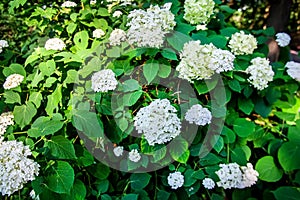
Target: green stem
228 152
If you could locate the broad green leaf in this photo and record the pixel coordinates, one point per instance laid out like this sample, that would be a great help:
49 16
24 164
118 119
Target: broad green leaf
69 57
235 85
15 4
53 100
209 159
38 77
23 114
177 40
228 31
99 171
286 193
267 169
203 87
179 150
239 156
243 127
81 39
285 116
47 68
130 197
114 52
14 68
100 23
60 177
229 135
245 105
218 40
72 74
88 123
31 59
169 54
164 70
12 97
288 156
131 85
102 186
103 12
61 148
71 27
163 195
159 154
139 181
189 179
219 145
36 98
78 191
46 126
150 70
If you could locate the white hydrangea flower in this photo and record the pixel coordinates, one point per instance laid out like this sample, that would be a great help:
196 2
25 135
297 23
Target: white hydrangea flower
118 151
92 2
104 80
230 176
3 44
6 119
208 183
249 176
98 33
148 28
198 11
134 155
68 4
241 43
234 176
12 81
55 44
260 73
196 62
283 39
117 14
158 122
117 36
33 195
175 180
293 70
222 61
198 115
15 168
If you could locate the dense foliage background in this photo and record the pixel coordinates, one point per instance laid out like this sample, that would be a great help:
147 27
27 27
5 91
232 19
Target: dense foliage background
56 117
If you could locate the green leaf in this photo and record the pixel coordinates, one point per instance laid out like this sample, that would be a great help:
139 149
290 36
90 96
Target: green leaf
131 85
81 39
177 40
235 85
78 191
46 126
243 127
100 24
31 59
285 116
23 114
229 135
131 98
102 186
72 74
71 28
286 193
189 179
267 169
169 54
53 100
163 195
218 40
47 68
88 123
14 68
15 4
179 150
227 9
12 97
209 159
219 145
239 156
159 154
36 98
130 197
61 148
246 105
228 31
60 177
288 156
139 181
99 171
164 70
103 12
205 86
150 70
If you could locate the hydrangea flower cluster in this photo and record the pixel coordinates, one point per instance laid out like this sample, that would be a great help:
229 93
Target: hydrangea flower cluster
198 115
208 183
283 39
98 33
148 28
3 43
6 119
198 11
175 180
158 121
202 61
261 73
118 151
134 155
104 80
117 13
68 4
293 70
117 36
241 43
233 176
12 81
55 44
15 168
